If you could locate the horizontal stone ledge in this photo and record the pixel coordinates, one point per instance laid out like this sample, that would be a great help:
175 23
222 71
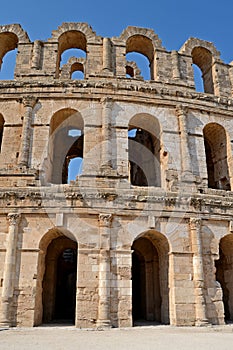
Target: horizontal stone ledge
29 250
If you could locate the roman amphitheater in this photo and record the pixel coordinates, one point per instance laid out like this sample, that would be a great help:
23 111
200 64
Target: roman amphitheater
143 232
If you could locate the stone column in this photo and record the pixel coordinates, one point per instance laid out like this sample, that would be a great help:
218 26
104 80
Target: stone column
28 102
185 155
104 271
107 54
36 54
106 157
175 65
9 269
198 272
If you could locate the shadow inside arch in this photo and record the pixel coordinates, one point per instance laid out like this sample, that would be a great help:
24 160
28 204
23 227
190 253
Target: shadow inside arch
56 279
150 291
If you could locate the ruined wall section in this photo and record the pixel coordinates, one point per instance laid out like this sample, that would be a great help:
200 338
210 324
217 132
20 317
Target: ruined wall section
102 211
106 57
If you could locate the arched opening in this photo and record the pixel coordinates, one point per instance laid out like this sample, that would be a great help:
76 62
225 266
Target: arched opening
2 121
150 299
203 59
77 71
198 78
8 52
66 143
215 141
71 44
67 54
74 168
130 72
74 59
224 274
59 281
140 49
144 151
8 65
142 63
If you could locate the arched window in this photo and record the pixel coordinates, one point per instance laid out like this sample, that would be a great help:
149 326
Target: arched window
141 62
2 121
144 151
140 50
66 144
129 72
132 70
203 59
72 53
74 168
77 71
74 157
216 156
198 80
76 68
71 44
8 52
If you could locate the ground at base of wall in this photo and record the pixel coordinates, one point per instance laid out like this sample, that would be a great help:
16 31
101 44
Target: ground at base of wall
56 337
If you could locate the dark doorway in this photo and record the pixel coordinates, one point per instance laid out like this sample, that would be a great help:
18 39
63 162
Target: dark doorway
138 285
146 298
59 283
224 274
66 285
150 292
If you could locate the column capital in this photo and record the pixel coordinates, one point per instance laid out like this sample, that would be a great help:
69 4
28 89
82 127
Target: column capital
181 110
13 218
29 101
105 220
107 100
195 223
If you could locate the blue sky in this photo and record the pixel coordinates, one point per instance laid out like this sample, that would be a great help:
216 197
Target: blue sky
174 21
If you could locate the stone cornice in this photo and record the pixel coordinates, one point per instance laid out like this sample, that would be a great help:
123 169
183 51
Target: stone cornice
117 89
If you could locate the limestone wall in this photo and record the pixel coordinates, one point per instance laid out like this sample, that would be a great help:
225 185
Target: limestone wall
144 231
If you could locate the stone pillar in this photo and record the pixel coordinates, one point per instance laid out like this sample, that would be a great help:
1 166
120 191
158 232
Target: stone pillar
104 271
107 54
28 102
9 269
198 272
36 54
186 169
175 65
106 157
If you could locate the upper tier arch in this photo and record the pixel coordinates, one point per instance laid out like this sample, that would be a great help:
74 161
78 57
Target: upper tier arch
17 30
83 28
192 43
10 36
131 31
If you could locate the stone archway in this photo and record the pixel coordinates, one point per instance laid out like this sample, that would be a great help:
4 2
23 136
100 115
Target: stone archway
150 299
55 296
59 282
224 274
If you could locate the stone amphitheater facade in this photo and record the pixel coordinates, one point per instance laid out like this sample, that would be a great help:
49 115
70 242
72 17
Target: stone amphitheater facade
145 232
